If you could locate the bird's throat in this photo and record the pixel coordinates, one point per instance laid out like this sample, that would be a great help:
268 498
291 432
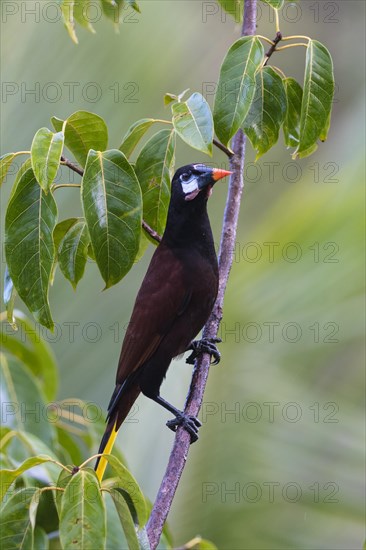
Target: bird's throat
189 227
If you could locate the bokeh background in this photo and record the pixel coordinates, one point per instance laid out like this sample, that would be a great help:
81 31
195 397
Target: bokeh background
280 461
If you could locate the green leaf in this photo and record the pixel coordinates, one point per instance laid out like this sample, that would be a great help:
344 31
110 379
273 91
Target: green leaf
62 482
324 133
15 523
134 5
291 124
267 112
61 229
154 169
5 163
70 447
24 405
234 8
112 9
199 543
73 251
169 98
317 97
112 204
46 154
34 352
81 11
9 297
7 477
67 10
193 122
89 432
20 445
144 244
29 223
128 488
275 4
40 539
84 131
115 534
83 516
57 123
58 234
134 134
126 519
236 86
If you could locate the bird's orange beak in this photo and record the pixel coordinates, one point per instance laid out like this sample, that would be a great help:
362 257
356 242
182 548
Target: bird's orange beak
217 174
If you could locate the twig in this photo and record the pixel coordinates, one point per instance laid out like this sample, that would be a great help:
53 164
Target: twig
153 234
181 445
222 147
272 49
72 166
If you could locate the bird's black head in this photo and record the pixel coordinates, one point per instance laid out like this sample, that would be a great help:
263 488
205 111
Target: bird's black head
195 179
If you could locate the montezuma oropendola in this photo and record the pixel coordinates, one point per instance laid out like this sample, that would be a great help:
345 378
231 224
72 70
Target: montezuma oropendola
174 302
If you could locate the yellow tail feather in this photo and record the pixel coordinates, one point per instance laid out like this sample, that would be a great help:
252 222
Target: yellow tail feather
107 450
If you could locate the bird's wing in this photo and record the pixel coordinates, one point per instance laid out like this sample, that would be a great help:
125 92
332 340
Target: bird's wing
163 296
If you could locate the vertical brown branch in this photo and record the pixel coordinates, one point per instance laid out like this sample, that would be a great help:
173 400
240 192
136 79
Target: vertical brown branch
181 445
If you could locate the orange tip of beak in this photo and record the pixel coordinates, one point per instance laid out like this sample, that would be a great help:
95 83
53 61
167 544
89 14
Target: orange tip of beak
217 174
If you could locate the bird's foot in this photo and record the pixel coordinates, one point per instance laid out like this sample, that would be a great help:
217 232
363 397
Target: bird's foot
190 423
206 345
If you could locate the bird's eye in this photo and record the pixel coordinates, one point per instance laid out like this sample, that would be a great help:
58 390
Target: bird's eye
185 177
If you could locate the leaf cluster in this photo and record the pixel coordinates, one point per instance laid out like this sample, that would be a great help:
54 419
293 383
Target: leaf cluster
261 99
118 195
47 501
84 12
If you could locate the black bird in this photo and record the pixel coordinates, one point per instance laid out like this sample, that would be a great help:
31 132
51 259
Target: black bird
174 302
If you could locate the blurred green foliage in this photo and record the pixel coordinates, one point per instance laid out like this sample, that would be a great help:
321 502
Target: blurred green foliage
285 469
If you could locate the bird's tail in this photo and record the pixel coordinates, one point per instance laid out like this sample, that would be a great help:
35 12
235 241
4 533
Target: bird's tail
120 407
106 446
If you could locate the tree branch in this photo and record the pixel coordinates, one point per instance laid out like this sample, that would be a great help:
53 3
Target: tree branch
153 234
75 168
224 149
72 166
181 445
272 49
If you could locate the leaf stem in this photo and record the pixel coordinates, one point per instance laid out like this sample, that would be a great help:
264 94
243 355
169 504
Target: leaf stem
77 418
194 400
277 16
54 187
296 37
89 460
61 465
7 438
70 428
268 40
21 153
291 46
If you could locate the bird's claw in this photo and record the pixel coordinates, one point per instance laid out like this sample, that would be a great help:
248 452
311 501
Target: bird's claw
190 423
206 345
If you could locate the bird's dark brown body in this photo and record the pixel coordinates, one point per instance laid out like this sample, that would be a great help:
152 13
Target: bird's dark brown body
174 302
